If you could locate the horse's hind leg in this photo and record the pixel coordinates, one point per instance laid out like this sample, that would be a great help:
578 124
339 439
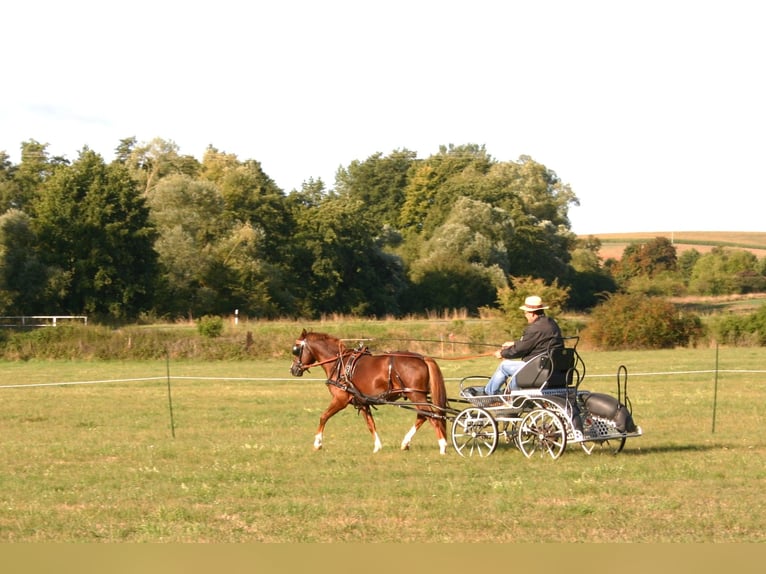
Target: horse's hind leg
418 423
371 425
411 433
441 435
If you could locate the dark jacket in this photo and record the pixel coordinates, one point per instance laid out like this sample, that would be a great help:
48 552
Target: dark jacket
538 337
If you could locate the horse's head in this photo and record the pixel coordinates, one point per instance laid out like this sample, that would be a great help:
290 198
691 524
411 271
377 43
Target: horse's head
301 356
314 349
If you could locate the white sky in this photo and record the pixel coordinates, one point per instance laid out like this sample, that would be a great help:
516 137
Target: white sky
653 111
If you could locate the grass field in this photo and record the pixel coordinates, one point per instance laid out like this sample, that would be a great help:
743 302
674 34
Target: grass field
97 461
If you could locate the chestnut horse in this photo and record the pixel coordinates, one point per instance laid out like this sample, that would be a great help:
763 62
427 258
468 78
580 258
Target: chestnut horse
362 379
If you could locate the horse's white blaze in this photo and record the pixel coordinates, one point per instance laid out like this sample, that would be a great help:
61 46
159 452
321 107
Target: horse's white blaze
318 441
408 437
378 444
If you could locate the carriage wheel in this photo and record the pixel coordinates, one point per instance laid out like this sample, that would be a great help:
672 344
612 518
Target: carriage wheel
612 441
474 433
613 445
542 431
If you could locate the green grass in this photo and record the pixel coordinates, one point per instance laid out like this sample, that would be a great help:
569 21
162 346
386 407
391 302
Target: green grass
98 462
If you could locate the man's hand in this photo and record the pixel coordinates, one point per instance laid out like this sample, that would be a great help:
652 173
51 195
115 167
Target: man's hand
506 345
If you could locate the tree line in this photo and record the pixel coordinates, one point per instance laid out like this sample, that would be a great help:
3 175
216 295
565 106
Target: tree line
157 234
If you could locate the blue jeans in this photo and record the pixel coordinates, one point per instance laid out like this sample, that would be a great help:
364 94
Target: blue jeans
506 368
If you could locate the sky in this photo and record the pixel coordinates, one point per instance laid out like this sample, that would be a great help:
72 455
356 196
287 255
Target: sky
651 111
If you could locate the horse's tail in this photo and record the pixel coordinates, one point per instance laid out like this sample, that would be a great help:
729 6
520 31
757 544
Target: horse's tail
437 389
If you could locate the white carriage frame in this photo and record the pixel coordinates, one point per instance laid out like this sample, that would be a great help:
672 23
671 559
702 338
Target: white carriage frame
540 418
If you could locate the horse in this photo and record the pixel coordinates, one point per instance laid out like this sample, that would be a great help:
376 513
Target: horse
360 378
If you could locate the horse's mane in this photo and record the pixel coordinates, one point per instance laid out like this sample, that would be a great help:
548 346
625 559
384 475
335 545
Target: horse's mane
325 337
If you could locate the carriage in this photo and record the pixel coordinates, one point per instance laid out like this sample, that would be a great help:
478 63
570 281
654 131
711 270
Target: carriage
547 412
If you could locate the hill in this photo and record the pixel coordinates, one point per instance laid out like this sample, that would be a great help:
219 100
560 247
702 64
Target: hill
613 244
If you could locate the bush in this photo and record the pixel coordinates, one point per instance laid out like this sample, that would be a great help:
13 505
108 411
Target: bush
634 321
742 329
210 326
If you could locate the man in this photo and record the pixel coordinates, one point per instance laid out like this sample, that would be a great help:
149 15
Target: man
542 333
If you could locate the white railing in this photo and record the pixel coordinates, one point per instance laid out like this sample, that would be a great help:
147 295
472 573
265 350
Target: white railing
41 320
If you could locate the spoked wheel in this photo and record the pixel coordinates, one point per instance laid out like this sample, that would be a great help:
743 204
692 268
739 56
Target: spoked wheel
613 445
542 431
601 427
474 433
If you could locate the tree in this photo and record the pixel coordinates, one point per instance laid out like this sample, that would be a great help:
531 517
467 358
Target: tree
252 198
724 271
22 182
446 283
23 276
10 192
212 261
589 278
464 262
686 262
379 183
148 163
239 275
646 259
537 202
429 196
338 267
94 233
188 216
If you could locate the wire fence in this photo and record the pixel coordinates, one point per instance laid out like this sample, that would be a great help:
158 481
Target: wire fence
282 379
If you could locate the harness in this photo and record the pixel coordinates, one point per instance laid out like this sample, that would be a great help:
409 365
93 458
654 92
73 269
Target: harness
342 377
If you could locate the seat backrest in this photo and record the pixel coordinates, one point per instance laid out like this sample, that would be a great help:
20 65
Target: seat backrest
562 373
553 369
534 373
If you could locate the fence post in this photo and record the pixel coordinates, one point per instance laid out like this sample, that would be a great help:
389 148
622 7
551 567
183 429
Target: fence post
170 399
715 388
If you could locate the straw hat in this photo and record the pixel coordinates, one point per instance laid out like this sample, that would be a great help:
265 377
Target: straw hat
533 303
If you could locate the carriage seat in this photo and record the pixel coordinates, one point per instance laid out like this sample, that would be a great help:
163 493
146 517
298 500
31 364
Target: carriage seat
553 369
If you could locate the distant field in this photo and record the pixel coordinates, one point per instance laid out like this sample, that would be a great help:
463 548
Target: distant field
613 244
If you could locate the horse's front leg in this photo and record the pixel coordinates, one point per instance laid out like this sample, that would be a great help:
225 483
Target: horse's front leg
371 425
337 404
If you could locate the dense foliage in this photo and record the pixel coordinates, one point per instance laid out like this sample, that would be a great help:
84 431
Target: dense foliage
159 235
630 321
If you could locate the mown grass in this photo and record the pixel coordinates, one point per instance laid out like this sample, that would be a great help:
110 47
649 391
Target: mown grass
99 463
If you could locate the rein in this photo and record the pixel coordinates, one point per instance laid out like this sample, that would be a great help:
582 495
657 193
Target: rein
320 363
466 357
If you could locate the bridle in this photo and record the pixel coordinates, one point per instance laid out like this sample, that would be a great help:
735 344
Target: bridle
298 368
